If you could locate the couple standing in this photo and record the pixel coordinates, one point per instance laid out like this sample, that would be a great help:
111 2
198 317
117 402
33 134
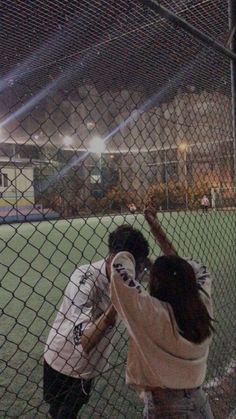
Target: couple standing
170 328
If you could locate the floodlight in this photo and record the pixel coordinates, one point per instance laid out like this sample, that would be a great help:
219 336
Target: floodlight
97 145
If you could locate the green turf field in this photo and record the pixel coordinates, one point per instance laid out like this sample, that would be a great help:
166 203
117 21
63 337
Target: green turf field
36 260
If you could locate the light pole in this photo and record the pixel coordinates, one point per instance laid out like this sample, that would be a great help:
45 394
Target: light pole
97 146
232 25
183 148
166 182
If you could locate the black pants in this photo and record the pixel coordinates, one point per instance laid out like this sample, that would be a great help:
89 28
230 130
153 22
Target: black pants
66 395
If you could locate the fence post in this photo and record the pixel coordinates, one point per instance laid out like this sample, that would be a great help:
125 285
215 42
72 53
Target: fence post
232 26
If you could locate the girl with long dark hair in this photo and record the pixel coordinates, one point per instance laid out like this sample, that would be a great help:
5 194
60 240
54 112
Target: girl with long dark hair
170 329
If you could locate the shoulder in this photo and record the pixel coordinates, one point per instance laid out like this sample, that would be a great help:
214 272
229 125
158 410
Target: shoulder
123 265
86 278
89 272
123 258
123 270
199 268
203 275
84 282
82 274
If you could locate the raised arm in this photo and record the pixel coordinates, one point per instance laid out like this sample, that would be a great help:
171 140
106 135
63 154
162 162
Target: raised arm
159 235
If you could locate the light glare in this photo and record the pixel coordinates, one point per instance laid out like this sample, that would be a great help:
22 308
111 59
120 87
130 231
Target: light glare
67 140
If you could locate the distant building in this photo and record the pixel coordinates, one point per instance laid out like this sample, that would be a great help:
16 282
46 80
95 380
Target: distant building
16 183
17 176
143 147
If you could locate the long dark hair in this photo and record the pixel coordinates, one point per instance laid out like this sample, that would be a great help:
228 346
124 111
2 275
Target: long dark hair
173 280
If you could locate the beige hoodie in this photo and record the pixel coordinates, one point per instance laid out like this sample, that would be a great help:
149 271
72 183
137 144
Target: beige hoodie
158 355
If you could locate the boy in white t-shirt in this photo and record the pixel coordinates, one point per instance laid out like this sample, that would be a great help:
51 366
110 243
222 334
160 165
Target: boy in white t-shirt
84 334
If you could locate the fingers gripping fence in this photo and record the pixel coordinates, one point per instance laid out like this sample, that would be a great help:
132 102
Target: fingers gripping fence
101 103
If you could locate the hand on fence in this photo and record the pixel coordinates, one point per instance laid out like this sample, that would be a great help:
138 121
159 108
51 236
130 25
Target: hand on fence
150 208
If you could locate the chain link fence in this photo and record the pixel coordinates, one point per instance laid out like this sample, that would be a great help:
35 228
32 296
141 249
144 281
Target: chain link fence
101 101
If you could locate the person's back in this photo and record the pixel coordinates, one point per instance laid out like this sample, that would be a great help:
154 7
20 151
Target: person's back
64 351
159 355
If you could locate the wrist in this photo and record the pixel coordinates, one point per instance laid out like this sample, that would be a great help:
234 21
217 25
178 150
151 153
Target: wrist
110 316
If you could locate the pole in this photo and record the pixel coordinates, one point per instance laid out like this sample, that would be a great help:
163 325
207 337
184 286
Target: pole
166 183
185 177
15 181
232 25
100 167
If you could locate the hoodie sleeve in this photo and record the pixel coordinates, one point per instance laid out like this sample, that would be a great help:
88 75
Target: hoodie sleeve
204 281
126 295
203 276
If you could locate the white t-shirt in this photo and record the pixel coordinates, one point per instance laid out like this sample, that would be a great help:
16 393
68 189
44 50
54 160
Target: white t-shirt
86 297
158 356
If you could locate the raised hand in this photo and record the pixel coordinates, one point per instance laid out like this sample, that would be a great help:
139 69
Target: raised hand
150 210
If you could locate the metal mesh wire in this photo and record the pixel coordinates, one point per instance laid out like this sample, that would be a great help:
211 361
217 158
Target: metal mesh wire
161 101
